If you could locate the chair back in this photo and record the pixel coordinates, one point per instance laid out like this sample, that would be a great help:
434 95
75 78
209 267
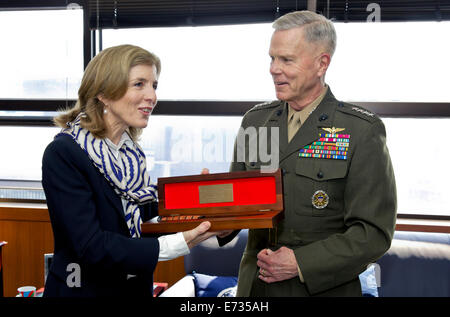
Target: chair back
211 259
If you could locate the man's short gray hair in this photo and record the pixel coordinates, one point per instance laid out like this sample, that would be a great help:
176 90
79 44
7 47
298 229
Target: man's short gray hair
317 27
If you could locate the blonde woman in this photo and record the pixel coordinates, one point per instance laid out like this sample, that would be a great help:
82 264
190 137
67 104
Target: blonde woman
97 187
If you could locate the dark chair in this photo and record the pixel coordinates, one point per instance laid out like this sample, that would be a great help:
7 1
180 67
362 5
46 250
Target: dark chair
210 259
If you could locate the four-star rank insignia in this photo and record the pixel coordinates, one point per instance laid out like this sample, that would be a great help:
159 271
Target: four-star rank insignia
330 145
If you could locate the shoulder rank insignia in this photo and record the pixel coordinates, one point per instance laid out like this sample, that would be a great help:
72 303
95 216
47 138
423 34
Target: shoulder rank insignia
265 105
367 113
330 145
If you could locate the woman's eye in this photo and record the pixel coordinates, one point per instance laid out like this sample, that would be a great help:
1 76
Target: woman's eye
139 84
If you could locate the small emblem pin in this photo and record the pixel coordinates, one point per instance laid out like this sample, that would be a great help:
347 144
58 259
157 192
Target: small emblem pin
320 199
333 130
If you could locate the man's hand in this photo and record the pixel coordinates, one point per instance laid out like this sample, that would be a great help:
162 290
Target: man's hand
277 266
224 233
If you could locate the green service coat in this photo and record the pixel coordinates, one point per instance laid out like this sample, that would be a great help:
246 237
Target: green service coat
332 245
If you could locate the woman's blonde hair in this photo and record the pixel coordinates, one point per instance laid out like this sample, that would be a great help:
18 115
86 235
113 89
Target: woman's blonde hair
106 75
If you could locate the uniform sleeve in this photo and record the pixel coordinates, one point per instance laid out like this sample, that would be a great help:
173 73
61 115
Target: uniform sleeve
75 221
369 218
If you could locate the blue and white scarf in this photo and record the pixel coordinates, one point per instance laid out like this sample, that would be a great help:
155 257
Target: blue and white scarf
130 179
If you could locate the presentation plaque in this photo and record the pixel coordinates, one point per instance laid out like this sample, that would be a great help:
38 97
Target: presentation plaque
237 200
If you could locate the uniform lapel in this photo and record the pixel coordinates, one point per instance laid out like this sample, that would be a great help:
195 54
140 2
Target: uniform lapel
323 116
279 119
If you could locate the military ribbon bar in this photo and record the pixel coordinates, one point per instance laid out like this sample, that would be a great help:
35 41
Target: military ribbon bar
328 146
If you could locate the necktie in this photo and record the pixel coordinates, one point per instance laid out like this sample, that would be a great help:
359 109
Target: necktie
294 124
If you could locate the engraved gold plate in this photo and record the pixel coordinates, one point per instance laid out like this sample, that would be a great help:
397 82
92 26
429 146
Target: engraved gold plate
220 193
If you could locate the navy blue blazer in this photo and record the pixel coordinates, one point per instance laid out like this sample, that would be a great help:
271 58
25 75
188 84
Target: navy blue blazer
90 230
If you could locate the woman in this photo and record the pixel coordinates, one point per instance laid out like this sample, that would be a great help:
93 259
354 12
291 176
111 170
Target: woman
96 184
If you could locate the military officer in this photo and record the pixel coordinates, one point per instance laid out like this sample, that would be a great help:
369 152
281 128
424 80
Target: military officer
338 181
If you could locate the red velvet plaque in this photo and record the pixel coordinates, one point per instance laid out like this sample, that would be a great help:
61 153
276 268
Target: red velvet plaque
237 200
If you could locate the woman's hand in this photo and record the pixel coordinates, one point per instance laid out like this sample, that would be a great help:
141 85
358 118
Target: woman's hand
198 234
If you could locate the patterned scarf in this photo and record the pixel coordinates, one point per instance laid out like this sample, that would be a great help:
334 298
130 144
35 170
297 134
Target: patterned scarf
130 179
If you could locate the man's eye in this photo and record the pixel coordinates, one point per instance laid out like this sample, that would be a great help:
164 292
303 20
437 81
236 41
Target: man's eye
155 86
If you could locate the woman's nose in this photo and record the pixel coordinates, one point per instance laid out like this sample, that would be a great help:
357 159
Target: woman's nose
150 95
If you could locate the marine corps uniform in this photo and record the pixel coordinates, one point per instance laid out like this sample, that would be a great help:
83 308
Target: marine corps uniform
340 207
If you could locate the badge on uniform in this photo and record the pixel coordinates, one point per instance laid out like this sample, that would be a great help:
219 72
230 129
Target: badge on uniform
320 199
330 145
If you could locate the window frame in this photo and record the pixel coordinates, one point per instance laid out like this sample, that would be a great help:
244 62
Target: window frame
214 108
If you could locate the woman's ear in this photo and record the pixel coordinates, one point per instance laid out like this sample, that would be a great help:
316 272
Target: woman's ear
102 98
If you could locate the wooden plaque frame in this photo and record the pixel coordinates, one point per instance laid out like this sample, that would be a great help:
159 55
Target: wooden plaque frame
259 212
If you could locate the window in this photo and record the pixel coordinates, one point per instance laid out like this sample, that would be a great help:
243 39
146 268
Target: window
22 150
419 153
386 62
42 54
174 145
206 63
183 145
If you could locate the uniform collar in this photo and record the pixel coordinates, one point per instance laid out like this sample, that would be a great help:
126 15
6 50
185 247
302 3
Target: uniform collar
304 113
323 116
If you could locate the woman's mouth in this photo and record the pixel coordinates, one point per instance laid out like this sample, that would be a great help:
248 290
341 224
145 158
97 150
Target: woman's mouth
146 110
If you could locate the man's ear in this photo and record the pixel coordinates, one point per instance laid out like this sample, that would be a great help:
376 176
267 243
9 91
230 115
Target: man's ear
324 62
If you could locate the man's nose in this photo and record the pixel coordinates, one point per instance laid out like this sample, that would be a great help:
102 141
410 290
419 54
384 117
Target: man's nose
275 67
